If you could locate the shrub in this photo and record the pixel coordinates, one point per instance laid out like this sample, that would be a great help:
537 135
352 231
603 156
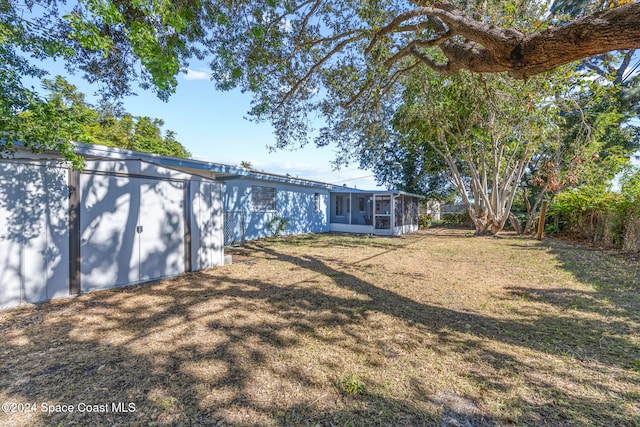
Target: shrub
600 215
278 225
581 212
457 219
424 221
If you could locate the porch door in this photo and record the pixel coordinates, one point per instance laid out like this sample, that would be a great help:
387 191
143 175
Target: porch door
383 210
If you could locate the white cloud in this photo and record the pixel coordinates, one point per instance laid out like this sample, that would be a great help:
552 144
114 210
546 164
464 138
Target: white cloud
195 75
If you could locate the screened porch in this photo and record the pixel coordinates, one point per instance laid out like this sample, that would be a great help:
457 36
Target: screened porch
384 213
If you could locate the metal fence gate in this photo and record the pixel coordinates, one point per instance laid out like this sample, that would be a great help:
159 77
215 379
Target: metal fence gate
233 228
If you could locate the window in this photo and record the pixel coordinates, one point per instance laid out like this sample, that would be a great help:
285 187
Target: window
361 204
263 198
339 206
316 201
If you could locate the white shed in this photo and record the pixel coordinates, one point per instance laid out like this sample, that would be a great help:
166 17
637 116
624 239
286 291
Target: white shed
122 220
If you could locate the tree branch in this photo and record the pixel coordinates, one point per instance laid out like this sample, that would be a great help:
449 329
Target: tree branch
628 55
396 25
485 48
316 66
414 45
441 67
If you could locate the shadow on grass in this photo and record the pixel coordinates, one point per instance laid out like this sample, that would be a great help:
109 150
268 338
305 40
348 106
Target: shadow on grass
613 279
213 350
609 271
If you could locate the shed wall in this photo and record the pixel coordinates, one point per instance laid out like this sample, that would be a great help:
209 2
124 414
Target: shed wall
34 239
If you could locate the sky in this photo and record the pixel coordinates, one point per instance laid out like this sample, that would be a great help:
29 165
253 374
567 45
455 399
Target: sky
211 125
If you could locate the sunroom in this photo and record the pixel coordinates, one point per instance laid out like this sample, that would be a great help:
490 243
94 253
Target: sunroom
390 213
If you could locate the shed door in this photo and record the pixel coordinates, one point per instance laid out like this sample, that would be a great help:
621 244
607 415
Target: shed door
206 225
161 229
132 229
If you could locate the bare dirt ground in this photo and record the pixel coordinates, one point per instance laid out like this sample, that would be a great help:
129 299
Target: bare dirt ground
433 329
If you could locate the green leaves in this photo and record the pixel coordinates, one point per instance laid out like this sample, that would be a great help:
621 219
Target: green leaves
598 214
64 117
44 126
88 34
300 60
236 73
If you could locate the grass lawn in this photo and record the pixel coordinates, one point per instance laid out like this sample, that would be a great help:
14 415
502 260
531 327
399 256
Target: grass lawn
439 328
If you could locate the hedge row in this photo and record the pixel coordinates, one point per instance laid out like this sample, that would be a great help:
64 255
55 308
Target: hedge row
609 218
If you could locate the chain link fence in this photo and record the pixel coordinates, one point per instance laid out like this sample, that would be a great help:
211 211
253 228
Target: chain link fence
233 228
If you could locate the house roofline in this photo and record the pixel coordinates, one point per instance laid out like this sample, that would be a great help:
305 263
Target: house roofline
376 192
222 171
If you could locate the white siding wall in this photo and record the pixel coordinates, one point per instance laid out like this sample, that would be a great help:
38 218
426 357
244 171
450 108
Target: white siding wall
296 203
34 240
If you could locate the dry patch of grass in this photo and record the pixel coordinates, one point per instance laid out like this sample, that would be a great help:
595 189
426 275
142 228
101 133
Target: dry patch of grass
440 328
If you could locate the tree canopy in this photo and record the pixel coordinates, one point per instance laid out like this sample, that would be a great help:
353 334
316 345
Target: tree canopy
112 128
287 52
63 115
348 59
488 136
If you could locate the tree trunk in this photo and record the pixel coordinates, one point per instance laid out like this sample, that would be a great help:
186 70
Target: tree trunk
515 223
531 211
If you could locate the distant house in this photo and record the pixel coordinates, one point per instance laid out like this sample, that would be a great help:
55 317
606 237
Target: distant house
131 217
432 208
